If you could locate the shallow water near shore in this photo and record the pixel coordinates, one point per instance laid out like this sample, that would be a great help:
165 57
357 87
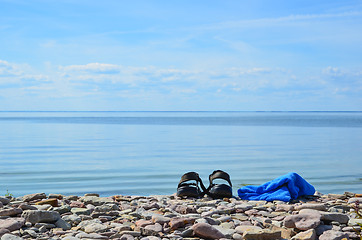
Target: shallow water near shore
144 153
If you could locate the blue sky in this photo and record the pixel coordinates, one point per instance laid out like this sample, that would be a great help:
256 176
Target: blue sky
242 55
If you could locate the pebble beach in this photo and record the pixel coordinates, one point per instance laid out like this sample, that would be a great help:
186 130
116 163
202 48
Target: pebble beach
55 216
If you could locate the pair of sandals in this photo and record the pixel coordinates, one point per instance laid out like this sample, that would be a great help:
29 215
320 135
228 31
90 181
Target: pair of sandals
191 185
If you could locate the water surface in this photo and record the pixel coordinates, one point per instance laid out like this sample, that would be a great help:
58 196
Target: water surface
143 153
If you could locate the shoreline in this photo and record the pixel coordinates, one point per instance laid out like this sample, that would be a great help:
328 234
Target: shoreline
55 216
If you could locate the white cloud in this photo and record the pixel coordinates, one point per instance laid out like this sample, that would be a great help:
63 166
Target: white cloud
264 22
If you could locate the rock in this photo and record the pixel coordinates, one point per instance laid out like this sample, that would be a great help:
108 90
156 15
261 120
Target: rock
176 223
354 222
62 209
126 237
306 235
333 235
244 207
228 233
12 224
25 206
4 200
34 196
143 223
96 201
284 208
10 212
160 219
336 217
95 228
77 204
303 221
322 228
3 231
264 234
355 199
314 206
37 216
242 229
52 201
132 233
80 211
205 230
72 219
8 236
237 236
55 195
185 209
63 224
152 230
90 236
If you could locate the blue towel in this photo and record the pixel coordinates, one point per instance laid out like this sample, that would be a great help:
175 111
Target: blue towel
283 188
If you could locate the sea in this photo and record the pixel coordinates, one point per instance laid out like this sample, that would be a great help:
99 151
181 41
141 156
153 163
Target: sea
146 153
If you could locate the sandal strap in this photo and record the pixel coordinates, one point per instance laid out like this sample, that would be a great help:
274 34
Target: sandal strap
219 174
192 176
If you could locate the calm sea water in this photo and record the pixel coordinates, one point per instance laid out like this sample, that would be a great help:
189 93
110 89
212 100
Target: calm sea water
144 153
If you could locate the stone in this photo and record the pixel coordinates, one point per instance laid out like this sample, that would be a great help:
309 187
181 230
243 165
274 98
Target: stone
8 236
205 230
96 201
143 223
228 233
10 212
132 233
314 206
61 223
72 219
152 230
3 231
90 236
245 228
160 219
62 209
284 208
322 228
286 233
80 211
303 221
37 216
176 223
95 228
34 196
52 201
237 236
185 209
244 207
25 206
126 237
333 235
336 217
77 204
12 224
306 235
264 234
55 195
355 199
354 222
4 200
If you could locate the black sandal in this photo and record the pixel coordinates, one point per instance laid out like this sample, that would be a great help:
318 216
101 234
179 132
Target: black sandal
219 191
190 189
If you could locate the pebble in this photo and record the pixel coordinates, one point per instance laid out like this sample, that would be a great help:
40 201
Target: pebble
56 217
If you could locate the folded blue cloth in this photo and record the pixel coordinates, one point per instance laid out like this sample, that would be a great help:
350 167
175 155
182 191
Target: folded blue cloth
283 188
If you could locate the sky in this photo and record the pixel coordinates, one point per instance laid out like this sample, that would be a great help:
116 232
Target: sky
161 55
